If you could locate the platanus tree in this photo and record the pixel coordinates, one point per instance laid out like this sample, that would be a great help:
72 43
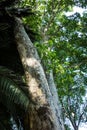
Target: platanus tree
43 111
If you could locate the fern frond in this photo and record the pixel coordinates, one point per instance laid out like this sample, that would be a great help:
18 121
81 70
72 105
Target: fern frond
18 80
11 90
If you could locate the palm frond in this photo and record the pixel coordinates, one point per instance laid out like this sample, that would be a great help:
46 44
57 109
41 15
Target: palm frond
12 91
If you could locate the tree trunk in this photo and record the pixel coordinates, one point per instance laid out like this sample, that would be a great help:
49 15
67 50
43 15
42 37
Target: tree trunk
56 102
43 114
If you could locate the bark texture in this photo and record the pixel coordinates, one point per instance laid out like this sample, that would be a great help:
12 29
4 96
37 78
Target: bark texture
43 114
56 102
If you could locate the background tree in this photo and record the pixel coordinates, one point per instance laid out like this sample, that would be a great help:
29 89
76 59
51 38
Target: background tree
43 112
63 48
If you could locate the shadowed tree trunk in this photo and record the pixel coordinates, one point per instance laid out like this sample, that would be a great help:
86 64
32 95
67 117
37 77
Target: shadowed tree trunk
44 110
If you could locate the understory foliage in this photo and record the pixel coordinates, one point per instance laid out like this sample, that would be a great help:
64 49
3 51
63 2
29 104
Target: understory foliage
14 99
61 41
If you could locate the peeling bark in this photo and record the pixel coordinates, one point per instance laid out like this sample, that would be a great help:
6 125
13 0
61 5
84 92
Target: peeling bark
42 115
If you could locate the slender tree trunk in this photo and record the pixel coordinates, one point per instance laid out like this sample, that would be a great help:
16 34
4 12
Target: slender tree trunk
43 114
56 102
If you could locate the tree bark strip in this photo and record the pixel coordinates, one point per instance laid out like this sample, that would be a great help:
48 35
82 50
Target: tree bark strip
56 102
42 115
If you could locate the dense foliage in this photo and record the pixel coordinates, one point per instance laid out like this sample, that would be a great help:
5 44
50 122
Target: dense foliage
62 48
